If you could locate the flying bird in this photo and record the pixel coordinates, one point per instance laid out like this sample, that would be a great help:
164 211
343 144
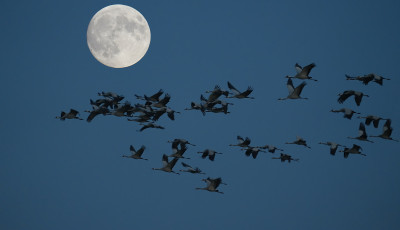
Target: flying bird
155 97
242 142
216 93
371 118
353 150
285 157
387 131
299 141
72 114
150 125
379 79
161 111
178 153
362 135
181 142
190 169
347 113
212 185
96 110
253 151
294 93
167 165
365 79
161 103
348 93
303 73
333 146
210 153
237 94
270 148
136 154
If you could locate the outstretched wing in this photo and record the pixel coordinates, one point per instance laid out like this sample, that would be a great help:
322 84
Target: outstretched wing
298 68
387 130
361 130
289 85
346 94
358 98
73 112
173 162
306 70
186 165
165 160
299 88
157 95
141 150
247 92
234 90
247 141
132 149
240 139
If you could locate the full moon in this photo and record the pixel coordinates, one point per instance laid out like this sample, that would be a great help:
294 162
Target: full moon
118 36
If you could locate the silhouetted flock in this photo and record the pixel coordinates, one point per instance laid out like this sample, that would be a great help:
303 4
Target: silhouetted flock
146 115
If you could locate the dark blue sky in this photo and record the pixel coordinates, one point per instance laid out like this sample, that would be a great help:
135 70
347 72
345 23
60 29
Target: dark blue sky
68 175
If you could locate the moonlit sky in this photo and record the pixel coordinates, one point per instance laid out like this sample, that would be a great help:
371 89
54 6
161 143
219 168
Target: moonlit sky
70 175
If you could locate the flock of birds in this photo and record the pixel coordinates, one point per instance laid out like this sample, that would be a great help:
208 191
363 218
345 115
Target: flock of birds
146 114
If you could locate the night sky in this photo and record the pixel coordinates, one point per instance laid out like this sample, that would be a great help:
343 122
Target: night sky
70 174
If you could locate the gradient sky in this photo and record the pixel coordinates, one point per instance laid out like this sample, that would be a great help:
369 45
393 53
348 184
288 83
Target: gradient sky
70 175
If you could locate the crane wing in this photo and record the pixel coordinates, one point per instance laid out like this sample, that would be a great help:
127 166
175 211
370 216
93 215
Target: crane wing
186 165
165 160
346 94
173 162
306 70
361 130
299 88
141 150
246 142
298 68
247 92
74 112
289 85
233 89
240 139
132 149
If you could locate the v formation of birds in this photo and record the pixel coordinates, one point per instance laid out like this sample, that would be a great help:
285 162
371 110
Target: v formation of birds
153 107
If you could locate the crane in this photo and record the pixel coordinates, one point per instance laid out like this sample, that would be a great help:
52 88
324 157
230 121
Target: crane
212 185
372 118
240 95
348 93
149 125
167 165
253 151
333 146
303 73
294 93
299 141
285 157
210 153
190 169
387 131
355 149
270 148
365 79
136 154
242 142
178 153
72 114
362 134
347 113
